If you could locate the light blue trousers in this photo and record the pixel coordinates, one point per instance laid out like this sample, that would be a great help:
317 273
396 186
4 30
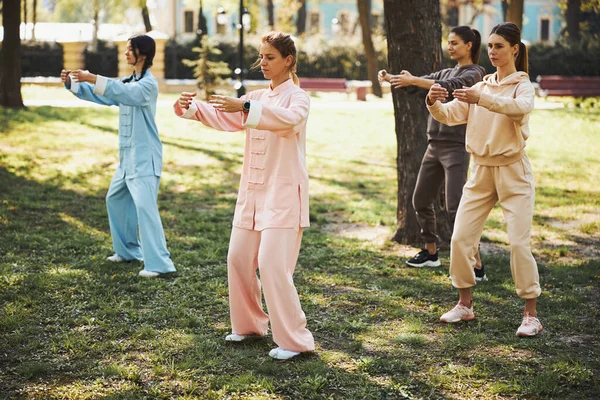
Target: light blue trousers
132 203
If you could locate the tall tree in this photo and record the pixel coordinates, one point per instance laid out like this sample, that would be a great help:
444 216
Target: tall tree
145 15
202 28
414 37
34 17
301 18
514 13
573 18
364 16
504 4
271 14
10 56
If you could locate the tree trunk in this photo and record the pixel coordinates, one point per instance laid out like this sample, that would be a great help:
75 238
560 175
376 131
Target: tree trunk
10 56
515 13
95 27
573 17
301 18
414 38
504 9
202 28
34 19
271 14
364 16
146 18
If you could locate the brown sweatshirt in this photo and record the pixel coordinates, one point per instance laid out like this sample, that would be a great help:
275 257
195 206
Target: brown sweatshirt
450 78
498 125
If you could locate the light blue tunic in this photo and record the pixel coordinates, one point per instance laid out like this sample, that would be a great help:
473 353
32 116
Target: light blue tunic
133 191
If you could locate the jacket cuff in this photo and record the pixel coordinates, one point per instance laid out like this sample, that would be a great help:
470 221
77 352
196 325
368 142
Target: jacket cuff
486 100
254 114
100 85
190 112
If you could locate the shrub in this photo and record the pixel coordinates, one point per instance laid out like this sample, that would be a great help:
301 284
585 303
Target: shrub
41 59
104 61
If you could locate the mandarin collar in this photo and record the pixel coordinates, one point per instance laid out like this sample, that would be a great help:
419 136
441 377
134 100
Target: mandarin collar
282 87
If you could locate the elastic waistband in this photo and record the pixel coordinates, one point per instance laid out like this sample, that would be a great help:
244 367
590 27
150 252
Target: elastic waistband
498 161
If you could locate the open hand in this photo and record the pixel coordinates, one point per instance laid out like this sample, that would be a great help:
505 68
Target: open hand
226 104
64 76
402 80
81 75
383 76
437 92
185 99
467 95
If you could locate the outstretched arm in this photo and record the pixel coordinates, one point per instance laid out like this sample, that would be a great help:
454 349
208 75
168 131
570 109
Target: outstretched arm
209 114
515 107
84 90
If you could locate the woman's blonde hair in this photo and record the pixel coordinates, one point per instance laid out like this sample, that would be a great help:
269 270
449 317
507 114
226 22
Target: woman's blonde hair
286 46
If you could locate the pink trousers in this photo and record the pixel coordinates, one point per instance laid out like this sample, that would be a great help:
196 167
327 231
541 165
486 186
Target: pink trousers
274 253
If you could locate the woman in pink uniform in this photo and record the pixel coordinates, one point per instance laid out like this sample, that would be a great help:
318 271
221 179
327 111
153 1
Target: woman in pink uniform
272 207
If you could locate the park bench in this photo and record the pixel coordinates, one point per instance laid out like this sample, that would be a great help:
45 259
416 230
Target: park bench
335 85
324 84
576 86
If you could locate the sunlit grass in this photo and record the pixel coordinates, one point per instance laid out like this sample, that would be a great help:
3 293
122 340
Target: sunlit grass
75 326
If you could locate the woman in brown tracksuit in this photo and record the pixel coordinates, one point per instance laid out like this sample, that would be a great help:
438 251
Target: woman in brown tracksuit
446 159
497 112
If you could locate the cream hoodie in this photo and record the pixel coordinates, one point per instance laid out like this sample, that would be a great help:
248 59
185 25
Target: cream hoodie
497 126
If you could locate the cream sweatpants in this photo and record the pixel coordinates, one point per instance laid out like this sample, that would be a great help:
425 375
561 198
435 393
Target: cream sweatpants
274 253
513 187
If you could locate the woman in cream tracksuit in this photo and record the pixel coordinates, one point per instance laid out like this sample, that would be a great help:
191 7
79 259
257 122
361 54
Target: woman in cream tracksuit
272 207
131 197
496 111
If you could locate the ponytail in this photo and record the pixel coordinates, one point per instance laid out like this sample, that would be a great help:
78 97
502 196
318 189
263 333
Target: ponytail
512 34
475 47
472 36
521 60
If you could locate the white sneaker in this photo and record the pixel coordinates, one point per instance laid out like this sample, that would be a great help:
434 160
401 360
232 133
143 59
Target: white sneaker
116 258
459 313
283 354
148 274
234 337
530 326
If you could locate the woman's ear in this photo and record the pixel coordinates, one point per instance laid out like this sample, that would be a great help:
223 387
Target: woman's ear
289 60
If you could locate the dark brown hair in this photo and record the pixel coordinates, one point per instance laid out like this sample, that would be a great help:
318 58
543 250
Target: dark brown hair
142 45
512 34
470 35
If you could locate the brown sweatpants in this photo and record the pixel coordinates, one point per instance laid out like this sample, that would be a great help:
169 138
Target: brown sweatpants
513 187
444 161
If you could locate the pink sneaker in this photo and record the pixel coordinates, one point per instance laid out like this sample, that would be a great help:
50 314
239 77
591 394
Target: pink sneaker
459 313
530 326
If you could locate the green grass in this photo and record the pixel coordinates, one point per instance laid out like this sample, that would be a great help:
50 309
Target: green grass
74 326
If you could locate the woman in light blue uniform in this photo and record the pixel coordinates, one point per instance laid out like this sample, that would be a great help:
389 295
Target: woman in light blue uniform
131 200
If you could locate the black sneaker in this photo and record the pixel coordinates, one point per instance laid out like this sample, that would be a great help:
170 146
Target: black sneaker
480 275
424 259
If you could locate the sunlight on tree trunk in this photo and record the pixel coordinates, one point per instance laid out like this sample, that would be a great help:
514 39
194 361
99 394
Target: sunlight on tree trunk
414 37
364 16
10 56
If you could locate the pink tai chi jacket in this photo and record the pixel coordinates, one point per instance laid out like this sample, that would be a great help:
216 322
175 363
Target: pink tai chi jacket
274 183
